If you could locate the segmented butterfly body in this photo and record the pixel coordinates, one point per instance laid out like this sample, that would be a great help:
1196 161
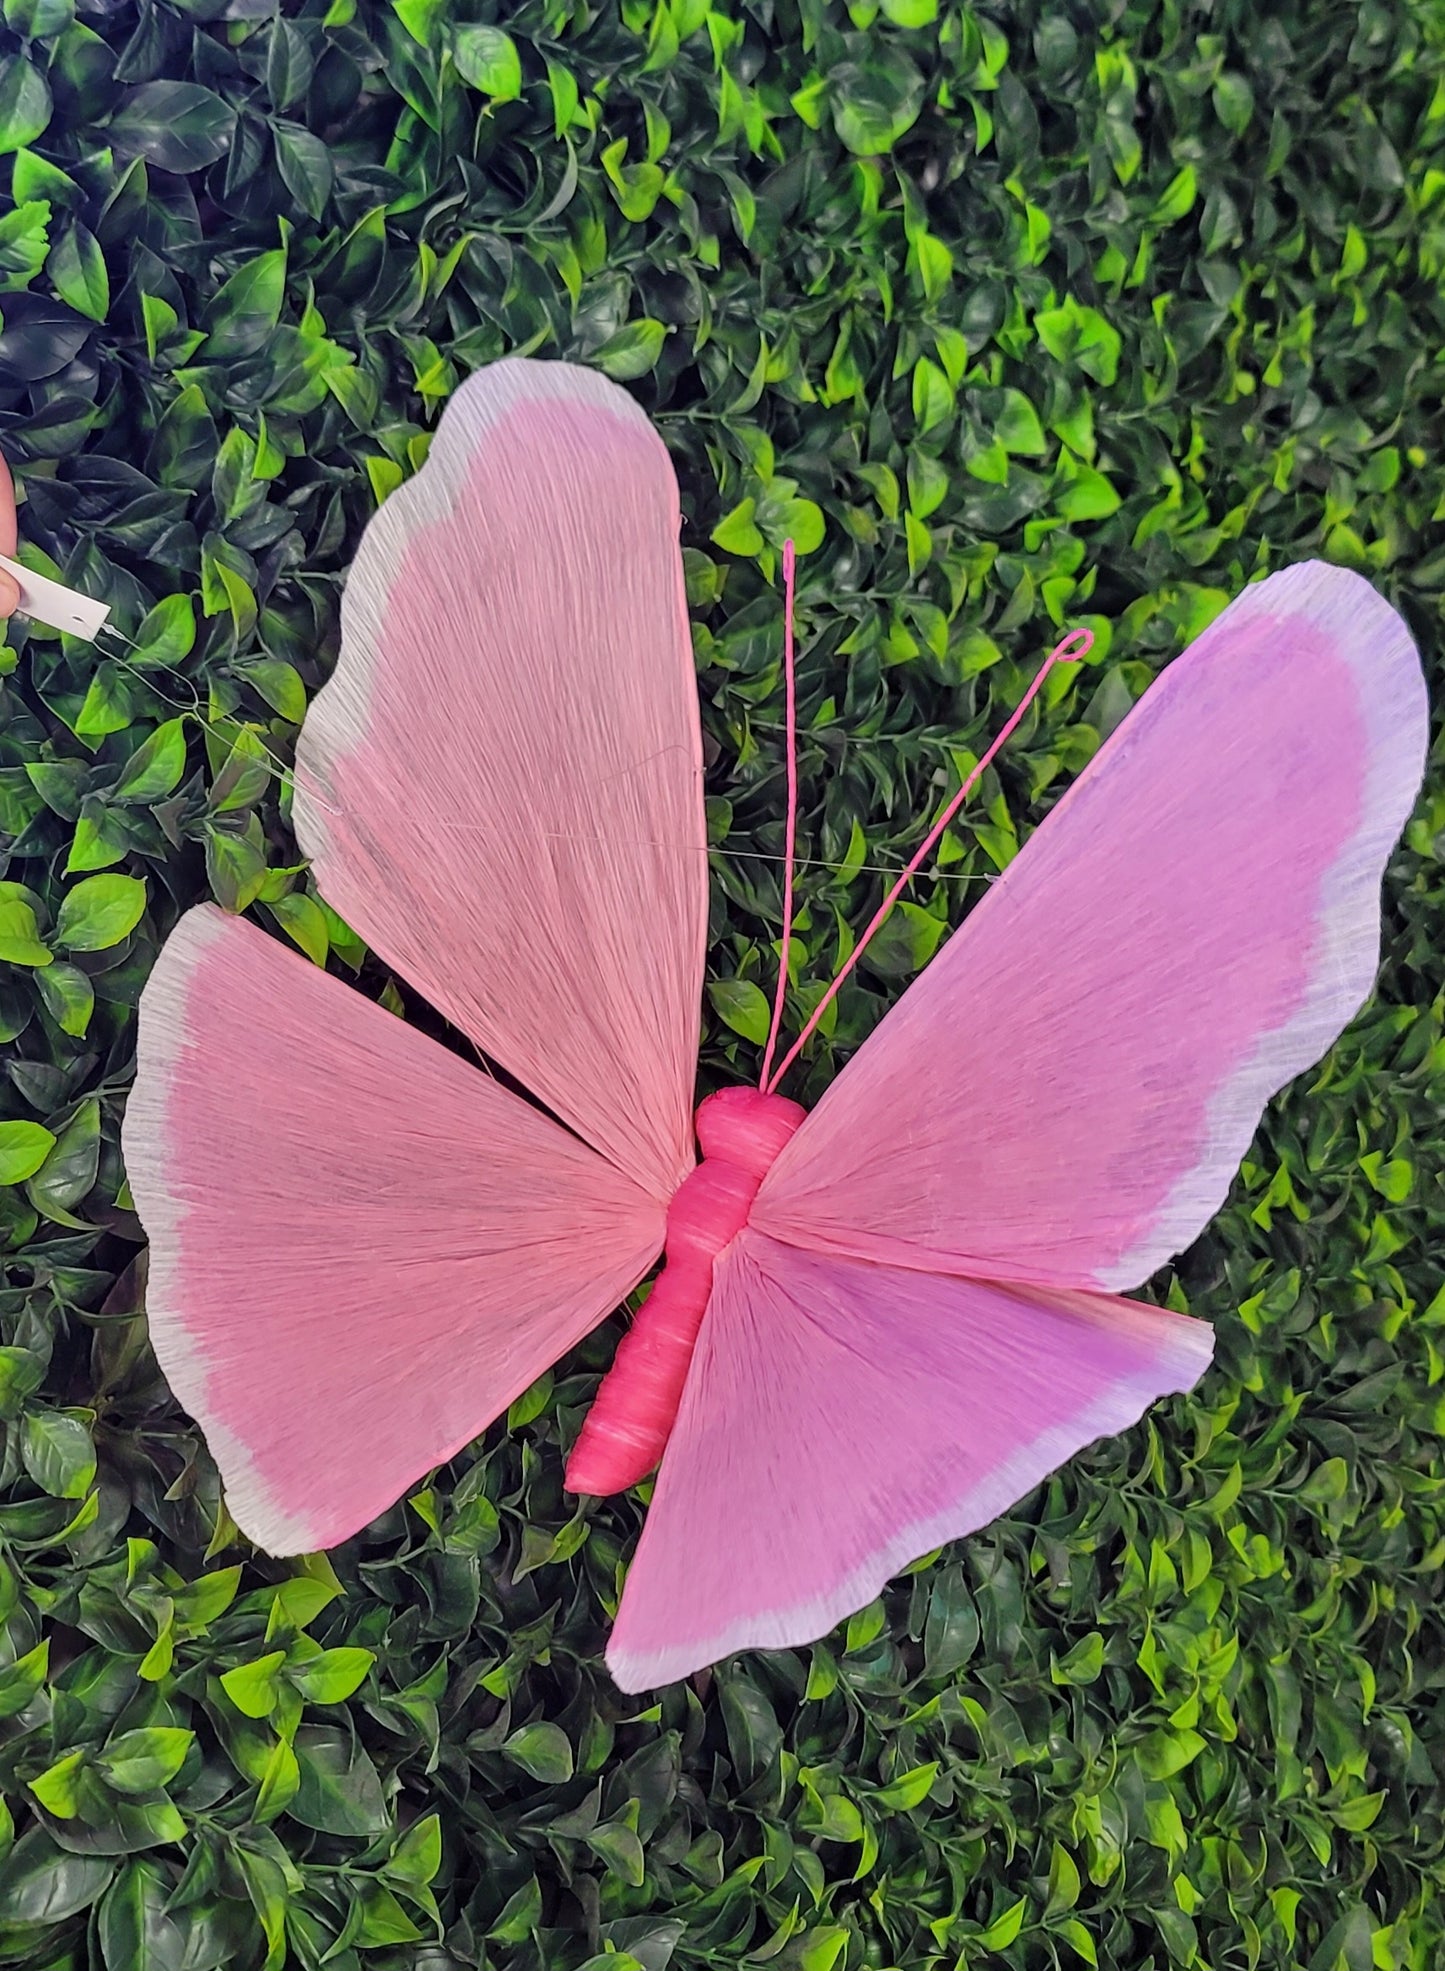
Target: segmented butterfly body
740 1132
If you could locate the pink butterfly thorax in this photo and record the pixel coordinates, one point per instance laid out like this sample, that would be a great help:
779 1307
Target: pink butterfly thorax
741 1132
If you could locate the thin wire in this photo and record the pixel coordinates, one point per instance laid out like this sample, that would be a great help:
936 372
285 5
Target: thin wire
282 772
850 869
287 774
1073 647
279 769
789 674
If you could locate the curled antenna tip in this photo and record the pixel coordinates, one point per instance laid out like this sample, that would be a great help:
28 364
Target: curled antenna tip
1077 644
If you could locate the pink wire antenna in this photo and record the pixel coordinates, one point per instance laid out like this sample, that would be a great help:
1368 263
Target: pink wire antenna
789 565
1074 646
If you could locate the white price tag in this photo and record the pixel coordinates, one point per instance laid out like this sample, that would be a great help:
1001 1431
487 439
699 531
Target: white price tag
59 608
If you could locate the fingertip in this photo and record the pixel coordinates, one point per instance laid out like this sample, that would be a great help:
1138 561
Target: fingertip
9 594
8 531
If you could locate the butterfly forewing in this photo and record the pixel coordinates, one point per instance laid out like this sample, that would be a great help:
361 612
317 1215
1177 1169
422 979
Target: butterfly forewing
1064 1096
501 785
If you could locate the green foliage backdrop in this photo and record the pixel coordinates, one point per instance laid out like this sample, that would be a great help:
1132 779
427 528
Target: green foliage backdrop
1015 316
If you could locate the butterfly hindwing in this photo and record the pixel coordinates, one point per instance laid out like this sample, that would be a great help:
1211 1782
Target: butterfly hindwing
362 1248
842 1418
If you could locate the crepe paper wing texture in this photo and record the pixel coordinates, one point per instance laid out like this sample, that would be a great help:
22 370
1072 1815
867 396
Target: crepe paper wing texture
844 1417
1065 1095
362 1248
917 1324
500 787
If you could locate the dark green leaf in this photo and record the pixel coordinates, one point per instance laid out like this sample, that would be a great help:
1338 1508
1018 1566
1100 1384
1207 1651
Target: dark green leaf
542 1750
178 126
136 1929
68 1173
305 166
68 997
24 103
58 1454
41 1883
340 1792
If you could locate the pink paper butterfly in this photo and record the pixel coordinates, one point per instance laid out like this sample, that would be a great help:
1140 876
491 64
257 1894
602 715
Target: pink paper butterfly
362 1249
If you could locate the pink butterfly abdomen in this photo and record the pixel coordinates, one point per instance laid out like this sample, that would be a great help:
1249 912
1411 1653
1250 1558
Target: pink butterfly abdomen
741 1132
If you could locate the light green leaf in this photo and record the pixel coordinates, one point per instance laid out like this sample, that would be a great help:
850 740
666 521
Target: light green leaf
140 1761
1005 1927
77 268
1165 1753
488 59
418 1855
20 942
155 767
737 532
743 1006
167 635
279 683
1079 335
933 398
633 350
254 1688
58 1787
331 1677
24 1146
98 841
20 1680
1017 427
1083 1664
910 1789
280 1782
876 101
99 912
1178 197
303 921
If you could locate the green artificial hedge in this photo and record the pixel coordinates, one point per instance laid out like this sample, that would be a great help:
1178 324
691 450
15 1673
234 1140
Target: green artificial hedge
1015 317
